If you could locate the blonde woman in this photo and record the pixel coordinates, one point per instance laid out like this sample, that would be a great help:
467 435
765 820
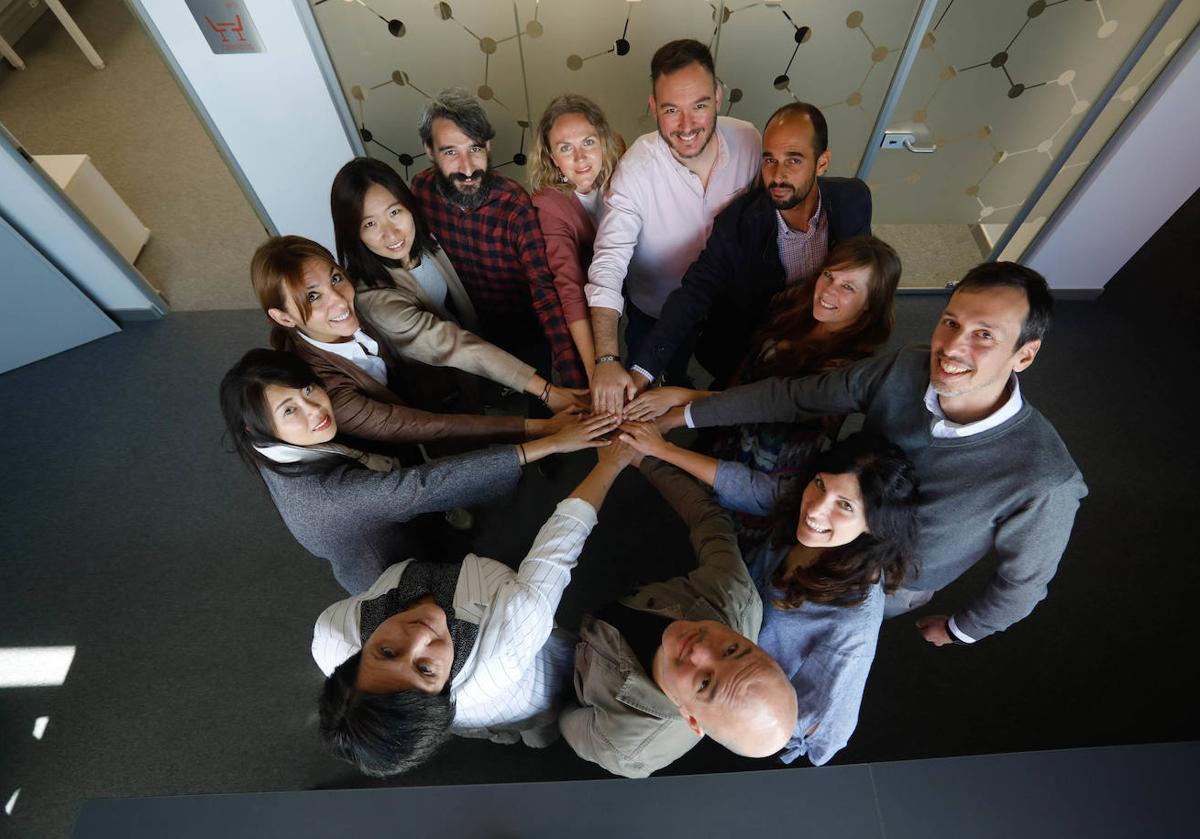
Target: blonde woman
572 163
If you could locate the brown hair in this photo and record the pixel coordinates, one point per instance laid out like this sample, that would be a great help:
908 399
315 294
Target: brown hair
676 55
790 319
543 172
276 271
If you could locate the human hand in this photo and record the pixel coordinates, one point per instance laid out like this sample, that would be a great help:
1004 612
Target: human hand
546 427
671 420
584 433
562 398
611 387
935 629
654 403
618 455
644 437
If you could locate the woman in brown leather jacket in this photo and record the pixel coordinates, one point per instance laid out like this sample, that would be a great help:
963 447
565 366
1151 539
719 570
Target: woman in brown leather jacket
310 300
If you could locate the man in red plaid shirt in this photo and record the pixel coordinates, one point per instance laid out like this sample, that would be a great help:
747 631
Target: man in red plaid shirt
488 227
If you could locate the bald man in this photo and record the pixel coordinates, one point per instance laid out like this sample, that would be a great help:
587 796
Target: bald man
658 670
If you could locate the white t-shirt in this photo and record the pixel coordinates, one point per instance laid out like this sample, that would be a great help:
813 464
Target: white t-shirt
592 203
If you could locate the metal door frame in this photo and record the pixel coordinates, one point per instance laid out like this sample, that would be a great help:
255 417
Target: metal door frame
908 55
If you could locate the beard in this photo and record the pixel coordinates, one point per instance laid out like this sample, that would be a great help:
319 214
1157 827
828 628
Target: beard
447 187
795 198
712 132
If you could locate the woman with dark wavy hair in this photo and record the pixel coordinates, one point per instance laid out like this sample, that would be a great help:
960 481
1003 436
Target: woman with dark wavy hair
841 541
842 315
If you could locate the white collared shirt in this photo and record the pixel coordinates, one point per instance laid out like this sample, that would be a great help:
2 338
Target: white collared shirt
362 351
803 252
658 214
946 429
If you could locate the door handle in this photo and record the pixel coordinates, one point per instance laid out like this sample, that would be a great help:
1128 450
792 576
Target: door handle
904 140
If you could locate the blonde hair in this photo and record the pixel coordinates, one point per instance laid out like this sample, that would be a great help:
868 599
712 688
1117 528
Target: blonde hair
542 170
277 269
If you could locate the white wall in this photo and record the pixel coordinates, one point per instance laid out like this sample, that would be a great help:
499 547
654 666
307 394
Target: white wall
41 214
1144 176
271 112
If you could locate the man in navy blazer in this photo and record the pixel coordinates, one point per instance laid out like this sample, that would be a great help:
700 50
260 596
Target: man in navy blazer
773 236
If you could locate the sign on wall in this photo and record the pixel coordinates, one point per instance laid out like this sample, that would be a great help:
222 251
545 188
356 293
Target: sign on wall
227 25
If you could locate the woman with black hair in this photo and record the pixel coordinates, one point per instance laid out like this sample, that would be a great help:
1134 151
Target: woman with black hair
345 505
842 540
409 292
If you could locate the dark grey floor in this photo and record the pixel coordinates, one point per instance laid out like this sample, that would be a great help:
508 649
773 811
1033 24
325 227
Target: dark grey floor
1112 792
126 531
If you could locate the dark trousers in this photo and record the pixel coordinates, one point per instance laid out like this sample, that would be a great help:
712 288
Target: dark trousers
638 329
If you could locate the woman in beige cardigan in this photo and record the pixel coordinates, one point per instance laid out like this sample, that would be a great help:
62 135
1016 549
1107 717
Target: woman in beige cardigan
407 289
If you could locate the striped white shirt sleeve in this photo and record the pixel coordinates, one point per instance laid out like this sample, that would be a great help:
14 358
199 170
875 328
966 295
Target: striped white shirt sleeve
520 618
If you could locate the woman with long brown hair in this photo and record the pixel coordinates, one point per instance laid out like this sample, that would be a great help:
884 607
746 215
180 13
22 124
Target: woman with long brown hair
842 315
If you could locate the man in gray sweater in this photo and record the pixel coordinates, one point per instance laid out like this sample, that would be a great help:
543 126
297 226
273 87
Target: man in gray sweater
995 475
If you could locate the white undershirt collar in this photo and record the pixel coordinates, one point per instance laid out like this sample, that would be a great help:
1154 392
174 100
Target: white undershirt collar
943 428
362 351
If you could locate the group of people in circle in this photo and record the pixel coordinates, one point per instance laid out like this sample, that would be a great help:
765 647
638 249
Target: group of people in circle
377 404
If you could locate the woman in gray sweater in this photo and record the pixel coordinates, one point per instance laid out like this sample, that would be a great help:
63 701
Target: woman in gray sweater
345 505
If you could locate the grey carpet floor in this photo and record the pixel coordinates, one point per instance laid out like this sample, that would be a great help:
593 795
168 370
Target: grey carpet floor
129 533
144 139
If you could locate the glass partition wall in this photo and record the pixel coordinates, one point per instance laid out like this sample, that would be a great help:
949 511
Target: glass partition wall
998 90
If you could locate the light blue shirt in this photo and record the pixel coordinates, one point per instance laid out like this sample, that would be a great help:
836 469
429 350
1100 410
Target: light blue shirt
826 651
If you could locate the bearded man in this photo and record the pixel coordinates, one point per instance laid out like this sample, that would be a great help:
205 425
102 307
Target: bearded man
489 229
775 236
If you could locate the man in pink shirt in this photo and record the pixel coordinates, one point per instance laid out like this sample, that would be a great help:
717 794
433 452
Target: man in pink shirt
660 207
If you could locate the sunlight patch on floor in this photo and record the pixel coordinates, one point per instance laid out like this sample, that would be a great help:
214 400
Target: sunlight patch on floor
34 666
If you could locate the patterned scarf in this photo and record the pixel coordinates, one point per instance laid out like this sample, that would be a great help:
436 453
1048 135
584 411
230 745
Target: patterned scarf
421 578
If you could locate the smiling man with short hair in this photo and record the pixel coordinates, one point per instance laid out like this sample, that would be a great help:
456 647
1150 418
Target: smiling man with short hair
659 209
995 476
775 236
